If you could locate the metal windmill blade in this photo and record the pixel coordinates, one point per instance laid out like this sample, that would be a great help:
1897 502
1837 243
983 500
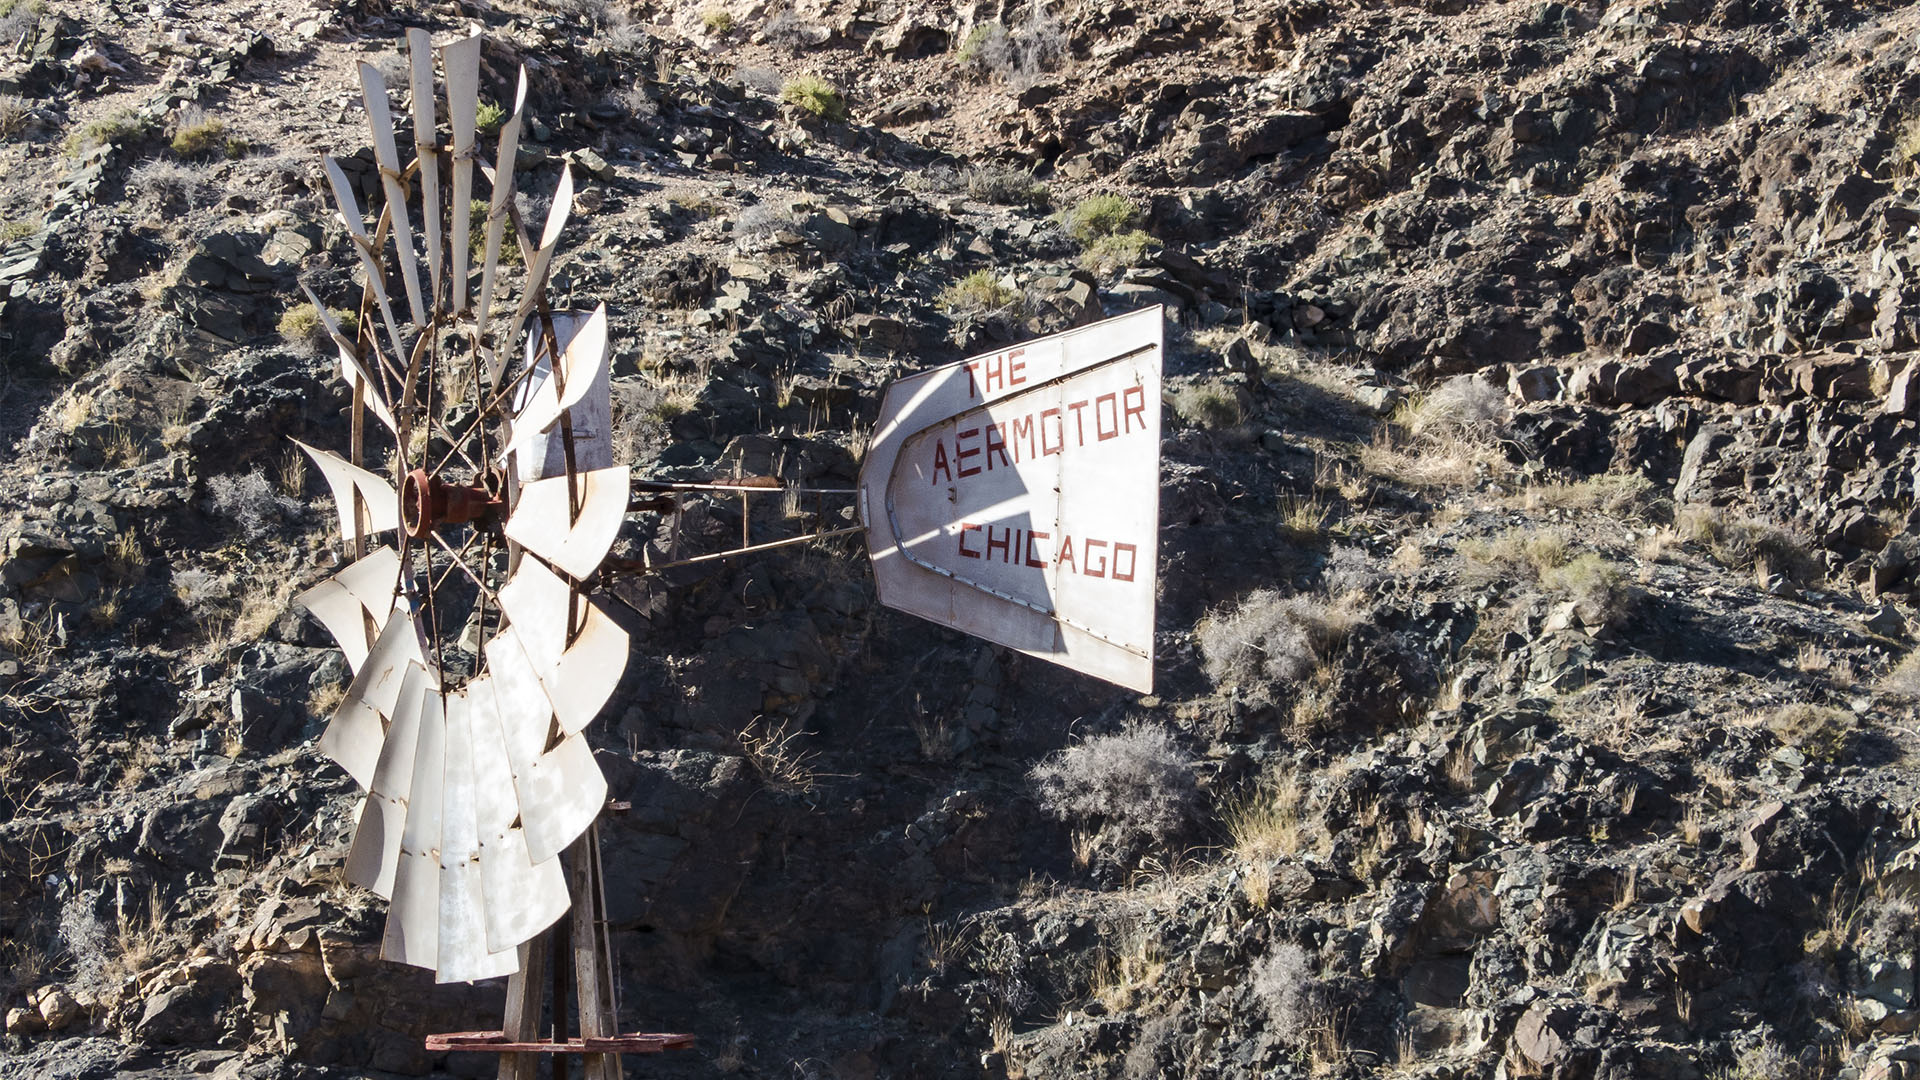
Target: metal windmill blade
478 657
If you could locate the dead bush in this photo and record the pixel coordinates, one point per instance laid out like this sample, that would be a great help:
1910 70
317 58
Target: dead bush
1136 786
1817 731
1903 681
1464 407
1297 999
1269 639
252 502
1745 545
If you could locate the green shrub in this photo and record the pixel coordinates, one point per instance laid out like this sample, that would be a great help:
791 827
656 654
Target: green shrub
815 95
300 325
1599 589
718 21
980 291
983 42
117 127
1100 216
488 117
198 135
1208 405
477 235
17 230
1115 251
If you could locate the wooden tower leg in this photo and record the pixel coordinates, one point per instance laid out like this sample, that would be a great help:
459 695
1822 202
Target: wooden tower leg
593 955
523 1009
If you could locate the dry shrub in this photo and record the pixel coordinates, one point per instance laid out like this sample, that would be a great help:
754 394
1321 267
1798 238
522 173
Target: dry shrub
1019 54
1741 544
1622 495
252 502
1442 438
1903 681
1599 589
1136 785
1298 1001
1464 407
1269 639
1210 405
1817 731
1521 552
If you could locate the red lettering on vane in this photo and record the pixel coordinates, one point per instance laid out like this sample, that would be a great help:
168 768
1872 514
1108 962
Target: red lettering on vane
1101 428
1034 560
962 452
1133 402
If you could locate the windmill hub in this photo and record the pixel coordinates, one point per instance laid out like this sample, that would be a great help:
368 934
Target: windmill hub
427 501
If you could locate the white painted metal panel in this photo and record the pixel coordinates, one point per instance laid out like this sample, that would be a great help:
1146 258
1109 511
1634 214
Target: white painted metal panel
497 214
543 520
463 955
541 453
413 919
345 478
560 795
420 56
462 61
354 735
375 855
588 672
521 898
351 601
352 371
561 789
542 260
1015 496
386 153
526 714
350 216
537 604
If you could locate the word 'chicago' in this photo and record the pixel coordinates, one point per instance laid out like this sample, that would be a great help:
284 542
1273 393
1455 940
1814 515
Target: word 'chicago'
1030 547
1033 435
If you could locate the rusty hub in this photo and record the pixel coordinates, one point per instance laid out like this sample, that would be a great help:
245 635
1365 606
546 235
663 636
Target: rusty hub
427 501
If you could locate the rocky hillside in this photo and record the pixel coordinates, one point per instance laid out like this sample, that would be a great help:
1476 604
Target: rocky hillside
1538 543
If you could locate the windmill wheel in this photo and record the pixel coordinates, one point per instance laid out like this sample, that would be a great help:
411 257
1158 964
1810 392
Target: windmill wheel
476 512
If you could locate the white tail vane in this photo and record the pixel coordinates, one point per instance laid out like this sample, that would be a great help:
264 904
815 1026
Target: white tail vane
1016 496
478 657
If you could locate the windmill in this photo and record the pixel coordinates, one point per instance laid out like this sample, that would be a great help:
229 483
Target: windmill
1012 496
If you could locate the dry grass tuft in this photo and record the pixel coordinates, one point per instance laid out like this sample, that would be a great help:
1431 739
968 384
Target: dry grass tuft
774 752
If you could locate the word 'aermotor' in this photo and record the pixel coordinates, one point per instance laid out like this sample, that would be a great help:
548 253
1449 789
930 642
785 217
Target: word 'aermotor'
1016 496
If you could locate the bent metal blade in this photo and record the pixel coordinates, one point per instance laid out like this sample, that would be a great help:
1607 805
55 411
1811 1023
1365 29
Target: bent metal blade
520 898
346 480
383 816
355 600
544 522
413 917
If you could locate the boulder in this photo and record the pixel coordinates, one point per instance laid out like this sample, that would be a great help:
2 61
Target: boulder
1625 382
